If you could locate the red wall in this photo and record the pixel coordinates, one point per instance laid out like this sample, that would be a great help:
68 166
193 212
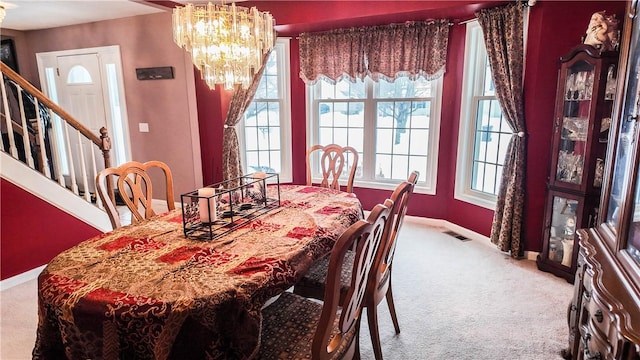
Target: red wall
551 37
555 27
212 110
42 229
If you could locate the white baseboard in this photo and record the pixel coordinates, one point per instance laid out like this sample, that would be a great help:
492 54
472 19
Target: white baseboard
528 255
21 278
449 226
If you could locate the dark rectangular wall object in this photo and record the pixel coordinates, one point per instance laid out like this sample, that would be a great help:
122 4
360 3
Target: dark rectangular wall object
8 54
155 73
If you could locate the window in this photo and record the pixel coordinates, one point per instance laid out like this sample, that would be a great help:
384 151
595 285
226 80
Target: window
394 126
118 131
79 75
484 134
265 133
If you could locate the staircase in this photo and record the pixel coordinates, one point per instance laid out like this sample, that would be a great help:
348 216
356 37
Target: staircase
37 139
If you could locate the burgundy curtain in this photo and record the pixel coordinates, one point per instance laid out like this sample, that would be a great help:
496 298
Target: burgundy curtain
503 36
231 164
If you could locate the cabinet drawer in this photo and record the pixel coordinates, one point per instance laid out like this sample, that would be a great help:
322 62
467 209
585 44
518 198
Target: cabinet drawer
580 267
594 347
599 317
587 281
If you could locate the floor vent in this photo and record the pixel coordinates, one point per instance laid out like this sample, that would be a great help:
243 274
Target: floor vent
457 236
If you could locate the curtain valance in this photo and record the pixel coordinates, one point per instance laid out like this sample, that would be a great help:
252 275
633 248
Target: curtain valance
334 55
411 49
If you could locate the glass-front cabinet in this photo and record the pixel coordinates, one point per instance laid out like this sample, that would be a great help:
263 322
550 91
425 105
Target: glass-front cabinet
582 125
604 314
584 104
565 211
620 225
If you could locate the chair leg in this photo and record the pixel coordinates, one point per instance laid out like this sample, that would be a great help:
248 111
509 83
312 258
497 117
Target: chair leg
392 309
372 317
356 355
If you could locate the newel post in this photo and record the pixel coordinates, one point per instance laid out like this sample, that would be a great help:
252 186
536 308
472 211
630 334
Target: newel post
106 148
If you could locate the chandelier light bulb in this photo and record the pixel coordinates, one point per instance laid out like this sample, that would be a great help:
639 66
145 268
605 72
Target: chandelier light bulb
226 42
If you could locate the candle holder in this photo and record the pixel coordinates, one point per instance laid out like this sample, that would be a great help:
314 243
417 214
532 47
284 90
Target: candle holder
213 211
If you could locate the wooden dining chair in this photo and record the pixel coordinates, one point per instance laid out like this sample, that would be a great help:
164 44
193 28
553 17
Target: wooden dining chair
334 160
295 327
379 285
134 186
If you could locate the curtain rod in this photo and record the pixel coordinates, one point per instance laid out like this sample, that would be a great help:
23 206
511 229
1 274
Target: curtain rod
467 21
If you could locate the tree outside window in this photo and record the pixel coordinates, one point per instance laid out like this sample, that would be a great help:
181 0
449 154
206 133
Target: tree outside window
392 124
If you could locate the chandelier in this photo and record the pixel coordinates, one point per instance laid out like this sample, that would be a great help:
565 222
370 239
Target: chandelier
226 42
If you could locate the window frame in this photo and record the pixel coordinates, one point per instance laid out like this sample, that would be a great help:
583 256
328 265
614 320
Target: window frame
426 186
282 50
475 59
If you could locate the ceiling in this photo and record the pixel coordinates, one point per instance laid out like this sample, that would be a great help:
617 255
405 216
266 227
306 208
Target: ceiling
43 14
27 15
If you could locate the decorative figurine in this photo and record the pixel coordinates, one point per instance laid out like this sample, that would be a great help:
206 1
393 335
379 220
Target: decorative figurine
602 32
569 228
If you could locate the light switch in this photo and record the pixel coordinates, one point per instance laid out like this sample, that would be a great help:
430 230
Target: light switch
143 127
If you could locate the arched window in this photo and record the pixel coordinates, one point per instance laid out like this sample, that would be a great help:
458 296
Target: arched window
79 75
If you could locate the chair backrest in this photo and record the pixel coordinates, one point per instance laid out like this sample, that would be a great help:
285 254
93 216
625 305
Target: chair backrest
134 187
400 197
333 161
413 178
380 276
366 236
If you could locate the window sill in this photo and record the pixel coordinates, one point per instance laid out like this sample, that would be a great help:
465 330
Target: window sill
419 189
486 201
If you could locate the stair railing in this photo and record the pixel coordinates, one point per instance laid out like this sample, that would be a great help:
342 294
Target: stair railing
39 146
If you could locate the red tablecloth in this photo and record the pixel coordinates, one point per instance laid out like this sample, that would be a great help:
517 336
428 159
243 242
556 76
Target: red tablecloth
147 292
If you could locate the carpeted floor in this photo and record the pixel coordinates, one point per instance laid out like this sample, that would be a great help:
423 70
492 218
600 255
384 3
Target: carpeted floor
455 299
465 300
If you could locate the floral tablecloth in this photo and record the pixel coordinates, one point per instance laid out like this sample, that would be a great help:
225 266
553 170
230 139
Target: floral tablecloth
147 292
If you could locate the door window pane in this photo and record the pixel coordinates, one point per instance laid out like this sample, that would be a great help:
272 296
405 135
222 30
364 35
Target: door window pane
79 75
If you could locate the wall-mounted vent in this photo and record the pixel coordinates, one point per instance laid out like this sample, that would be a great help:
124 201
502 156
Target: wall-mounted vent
457 236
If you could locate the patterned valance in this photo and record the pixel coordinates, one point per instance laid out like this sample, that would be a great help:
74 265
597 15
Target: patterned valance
334 54
411 49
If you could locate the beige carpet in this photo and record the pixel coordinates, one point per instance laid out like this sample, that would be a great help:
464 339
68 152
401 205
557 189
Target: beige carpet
455 300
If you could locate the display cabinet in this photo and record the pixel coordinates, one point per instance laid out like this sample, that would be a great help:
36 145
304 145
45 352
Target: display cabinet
604 314
565 211
584 103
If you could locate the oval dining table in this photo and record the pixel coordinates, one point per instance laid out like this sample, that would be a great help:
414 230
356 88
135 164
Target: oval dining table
145 291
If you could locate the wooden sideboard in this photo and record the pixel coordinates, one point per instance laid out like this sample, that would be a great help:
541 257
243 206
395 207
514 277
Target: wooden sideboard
604 314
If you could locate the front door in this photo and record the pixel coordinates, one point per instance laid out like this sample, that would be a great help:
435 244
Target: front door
87 83
80 91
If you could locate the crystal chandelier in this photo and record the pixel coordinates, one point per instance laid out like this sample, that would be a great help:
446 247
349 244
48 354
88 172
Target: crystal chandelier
226 42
